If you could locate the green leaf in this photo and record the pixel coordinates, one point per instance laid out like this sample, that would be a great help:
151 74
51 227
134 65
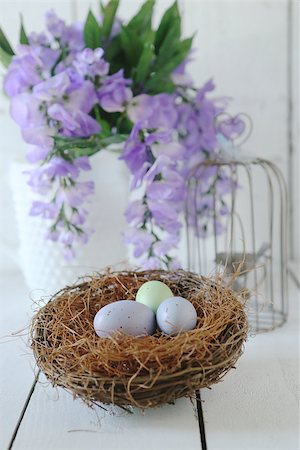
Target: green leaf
109 13
160 80
144 64
5 58
159 83
23 35
170 42
132 45
148 37
113 48
92 32
102 8
142 21
166 23
181 52
186 45
124 125
4 44
75 147
115 139
105 128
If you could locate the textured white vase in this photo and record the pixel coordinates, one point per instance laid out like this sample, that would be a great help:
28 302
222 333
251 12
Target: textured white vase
40 260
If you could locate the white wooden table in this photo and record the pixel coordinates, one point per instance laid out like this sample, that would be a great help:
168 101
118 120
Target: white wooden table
254 408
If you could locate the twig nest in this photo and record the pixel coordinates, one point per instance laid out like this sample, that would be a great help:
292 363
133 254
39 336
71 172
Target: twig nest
143 371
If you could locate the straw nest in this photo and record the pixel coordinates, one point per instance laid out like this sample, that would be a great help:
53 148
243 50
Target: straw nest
139 371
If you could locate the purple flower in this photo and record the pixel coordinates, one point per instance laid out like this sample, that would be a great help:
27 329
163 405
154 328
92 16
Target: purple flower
134 153
179 75
157 111
164 214
82 163
39 136
197 121
69 36
79 217
75 196
90 63
61 167
114 93
208 87
76 124
52 235
172 189
135 213
161 162
67 237
53 88
175 264
40 46
140 239
69 253
72 37
35 153
38 39
57 86
159 137
161 249
170 149
25 71
44 209
81 97
151 263
54 24
26 111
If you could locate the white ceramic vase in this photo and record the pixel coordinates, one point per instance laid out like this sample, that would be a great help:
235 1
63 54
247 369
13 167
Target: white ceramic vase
40 260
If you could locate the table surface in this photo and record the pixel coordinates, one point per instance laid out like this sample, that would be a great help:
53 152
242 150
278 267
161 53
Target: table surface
255 407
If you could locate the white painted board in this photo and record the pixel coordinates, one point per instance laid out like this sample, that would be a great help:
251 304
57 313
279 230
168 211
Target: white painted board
55 421
256 407
16 360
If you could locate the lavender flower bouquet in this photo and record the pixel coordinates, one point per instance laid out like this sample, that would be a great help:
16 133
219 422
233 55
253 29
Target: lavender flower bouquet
79 88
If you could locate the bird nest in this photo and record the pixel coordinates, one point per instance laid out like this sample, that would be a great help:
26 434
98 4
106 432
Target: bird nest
140 371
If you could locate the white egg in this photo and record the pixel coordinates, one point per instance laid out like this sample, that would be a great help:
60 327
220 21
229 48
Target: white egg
176 314
126 316
152 293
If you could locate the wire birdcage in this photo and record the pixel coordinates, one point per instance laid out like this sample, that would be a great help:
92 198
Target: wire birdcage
238 223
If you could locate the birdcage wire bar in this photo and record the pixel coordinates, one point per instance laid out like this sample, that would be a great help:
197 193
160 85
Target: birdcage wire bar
257 204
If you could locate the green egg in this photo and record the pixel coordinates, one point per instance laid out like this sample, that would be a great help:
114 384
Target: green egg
153 293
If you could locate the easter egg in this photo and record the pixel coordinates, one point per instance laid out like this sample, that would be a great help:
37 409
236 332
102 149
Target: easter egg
152 293
176 314
126 316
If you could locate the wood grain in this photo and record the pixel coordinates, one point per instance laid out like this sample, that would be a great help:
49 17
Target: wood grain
16 361
55 420
256 407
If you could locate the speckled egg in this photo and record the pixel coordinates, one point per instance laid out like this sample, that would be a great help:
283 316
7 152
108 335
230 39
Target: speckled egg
176 314
152 293
126 316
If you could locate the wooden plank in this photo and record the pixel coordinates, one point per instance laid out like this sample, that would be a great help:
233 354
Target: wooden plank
242 46
256 406
55 420
293 128
16 361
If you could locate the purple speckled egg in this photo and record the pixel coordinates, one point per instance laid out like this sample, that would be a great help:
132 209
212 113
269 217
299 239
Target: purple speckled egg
126 316
176 314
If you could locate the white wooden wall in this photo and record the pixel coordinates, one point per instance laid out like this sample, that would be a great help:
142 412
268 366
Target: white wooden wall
245 45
